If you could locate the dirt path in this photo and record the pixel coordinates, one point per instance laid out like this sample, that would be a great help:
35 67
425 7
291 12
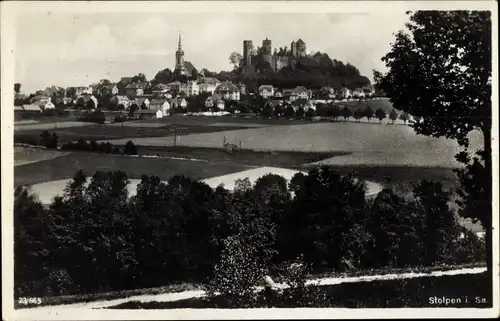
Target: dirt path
168 297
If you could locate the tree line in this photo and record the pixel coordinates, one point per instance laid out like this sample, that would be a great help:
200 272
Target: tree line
51 140
96 238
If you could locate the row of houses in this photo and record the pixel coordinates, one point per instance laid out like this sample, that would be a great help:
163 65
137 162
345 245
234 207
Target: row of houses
300 92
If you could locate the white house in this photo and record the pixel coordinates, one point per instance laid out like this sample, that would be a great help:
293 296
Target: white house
345 93
135 89
80 90
160 89
141 100
41 99
193 89
266 91
369 91
208 84
121 100
45 105
215 100
161 105
228 91
178 102
177 86
290 95
302 92
358 93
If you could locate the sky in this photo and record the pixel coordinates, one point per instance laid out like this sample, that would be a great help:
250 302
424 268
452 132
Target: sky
67 49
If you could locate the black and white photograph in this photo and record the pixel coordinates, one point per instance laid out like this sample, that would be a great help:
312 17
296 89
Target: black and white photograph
253 159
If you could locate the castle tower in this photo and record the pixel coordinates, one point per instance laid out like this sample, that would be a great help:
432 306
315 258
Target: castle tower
293 48
247 52
301 48
266 46
179 57
267 52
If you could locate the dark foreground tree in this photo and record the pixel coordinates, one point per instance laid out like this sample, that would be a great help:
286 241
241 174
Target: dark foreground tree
441 229
441 71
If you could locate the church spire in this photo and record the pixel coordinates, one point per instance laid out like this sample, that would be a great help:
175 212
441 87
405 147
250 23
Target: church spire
180 46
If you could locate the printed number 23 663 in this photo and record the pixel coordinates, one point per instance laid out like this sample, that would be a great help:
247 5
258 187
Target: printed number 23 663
26 301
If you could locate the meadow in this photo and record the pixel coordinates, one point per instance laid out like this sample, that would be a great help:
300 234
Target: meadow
66 166
25 155
366 143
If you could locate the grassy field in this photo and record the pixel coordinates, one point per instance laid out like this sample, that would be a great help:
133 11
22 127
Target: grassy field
24 155
368 144
48 125
113 131
403 293
66 166
240 156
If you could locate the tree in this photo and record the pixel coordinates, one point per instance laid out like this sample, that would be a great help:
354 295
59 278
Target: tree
358 114
235 59
194 74
48 140
17 88
310 113
440 227
140 78
289 111
90 104
32 230
164 76
447 55
299 113
393 115
130 148
395 226
404 117
334 111
368 113
270 180
133 109
236 275
380 114
242 185
323 220
71 92
267 111
80 103
321 110
346 113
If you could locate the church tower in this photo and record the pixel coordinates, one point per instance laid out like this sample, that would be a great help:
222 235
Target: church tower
179 58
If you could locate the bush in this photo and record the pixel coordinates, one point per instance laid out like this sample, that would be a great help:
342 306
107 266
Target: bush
92 146
26 139
49 140
130 148
236 275
300 294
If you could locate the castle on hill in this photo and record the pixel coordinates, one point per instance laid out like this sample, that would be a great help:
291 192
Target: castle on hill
277 59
